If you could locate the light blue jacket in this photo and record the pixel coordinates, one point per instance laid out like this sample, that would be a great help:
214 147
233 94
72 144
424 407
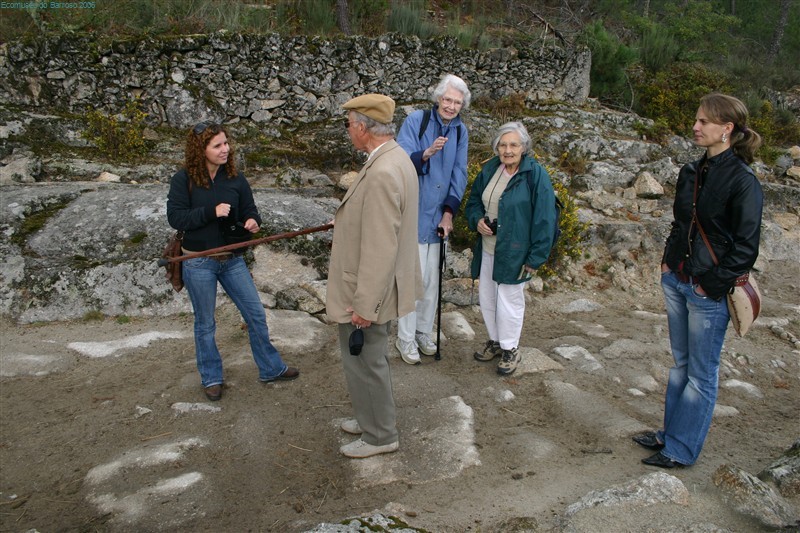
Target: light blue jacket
443 178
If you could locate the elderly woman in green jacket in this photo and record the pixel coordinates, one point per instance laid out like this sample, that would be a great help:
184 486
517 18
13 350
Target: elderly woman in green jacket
512 207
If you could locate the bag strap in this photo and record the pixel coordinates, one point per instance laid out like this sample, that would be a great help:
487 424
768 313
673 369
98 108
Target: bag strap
423 125
696 220
741 280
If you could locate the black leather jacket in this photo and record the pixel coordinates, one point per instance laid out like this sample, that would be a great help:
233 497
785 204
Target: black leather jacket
729 204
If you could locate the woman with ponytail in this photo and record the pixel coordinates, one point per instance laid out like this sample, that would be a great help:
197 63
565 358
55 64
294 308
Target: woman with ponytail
721 193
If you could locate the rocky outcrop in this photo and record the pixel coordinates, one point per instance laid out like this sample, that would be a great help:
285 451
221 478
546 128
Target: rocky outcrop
79 234
91 246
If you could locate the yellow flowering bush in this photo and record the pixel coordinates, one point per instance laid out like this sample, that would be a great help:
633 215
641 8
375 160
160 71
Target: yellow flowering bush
118 136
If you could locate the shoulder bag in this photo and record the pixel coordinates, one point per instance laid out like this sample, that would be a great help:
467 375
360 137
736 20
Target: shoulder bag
174 273
174 248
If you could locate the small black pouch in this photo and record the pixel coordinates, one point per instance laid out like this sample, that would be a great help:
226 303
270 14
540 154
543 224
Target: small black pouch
356 341
233 231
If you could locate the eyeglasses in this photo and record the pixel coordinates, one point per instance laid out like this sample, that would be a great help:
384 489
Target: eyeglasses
449 101
513 146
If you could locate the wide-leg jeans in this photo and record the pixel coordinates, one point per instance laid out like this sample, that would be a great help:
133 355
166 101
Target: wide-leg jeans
200 276
697 326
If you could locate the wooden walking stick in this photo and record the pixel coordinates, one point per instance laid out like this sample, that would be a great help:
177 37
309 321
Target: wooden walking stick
230 247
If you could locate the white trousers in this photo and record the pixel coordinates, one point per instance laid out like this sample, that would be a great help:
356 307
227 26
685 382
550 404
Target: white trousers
502 306
422 319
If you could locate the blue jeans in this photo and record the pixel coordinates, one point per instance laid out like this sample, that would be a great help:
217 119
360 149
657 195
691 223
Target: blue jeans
697 327
200 276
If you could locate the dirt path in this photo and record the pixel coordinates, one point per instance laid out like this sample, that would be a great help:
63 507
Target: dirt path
112 443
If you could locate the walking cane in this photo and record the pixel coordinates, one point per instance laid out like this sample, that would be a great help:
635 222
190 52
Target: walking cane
230 247
442 250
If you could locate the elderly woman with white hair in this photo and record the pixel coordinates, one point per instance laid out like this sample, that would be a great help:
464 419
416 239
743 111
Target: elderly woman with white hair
436 140
512 207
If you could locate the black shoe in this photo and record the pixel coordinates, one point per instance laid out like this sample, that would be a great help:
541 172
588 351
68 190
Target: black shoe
289 374
660 460
214 392
649 440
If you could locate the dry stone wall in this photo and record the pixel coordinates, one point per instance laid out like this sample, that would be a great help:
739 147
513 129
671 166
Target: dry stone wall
268 78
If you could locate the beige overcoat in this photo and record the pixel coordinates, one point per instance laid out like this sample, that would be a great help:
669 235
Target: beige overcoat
374 264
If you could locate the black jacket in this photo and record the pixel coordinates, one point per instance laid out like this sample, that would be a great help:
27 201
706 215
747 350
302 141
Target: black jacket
729 204
195 212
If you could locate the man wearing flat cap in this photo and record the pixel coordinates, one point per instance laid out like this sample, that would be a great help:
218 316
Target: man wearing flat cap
374 275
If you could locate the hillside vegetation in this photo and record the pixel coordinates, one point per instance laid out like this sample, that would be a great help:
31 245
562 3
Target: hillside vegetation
654 57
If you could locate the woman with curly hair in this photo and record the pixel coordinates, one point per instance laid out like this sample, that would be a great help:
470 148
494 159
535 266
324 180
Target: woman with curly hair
206 198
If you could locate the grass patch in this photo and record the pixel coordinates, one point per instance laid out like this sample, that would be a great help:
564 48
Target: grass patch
36 221
93 315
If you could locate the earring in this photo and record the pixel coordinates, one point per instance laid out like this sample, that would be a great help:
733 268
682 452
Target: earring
724 137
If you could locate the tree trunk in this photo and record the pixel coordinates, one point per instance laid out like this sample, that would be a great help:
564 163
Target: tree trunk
733 8
780 29
646 8
343 17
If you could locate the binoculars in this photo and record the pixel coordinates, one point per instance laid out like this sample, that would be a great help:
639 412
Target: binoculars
492 224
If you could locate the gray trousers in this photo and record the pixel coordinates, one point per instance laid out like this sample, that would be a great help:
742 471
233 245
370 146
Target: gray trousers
369 382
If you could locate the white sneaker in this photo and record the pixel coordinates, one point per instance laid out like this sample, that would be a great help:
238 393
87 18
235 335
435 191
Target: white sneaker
358 449
351 426
408 351
425 344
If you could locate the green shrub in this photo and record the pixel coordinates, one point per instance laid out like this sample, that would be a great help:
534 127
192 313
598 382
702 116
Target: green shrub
410 19
469 35
463 237
671 97
610 57
317 17
657 48
699 27
287 21
777 128
368 16
659 132
573 232
118 136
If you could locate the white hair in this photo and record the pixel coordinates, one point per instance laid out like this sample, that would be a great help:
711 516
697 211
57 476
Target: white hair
453 82
513 127
373 126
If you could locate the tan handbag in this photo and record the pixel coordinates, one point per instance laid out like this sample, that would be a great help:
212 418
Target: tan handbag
744 303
